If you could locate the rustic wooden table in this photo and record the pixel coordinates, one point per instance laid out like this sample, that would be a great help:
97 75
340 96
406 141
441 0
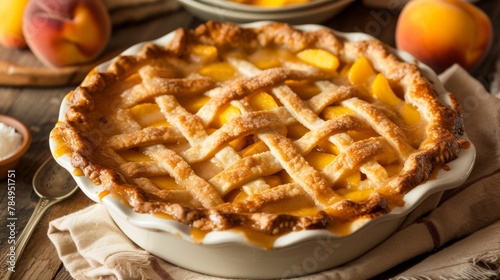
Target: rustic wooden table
38 108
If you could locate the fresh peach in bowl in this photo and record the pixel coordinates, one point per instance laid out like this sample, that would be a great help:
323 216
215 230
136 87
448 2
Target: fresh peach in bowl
15 139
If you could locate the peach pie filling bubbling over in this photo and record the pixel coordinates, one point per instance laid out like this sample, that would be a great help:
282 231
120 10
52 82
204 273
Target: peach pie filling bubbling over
269 129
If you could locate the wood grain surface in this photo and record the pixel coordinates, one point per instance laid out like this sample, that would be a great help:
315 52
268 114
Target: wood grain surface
37 105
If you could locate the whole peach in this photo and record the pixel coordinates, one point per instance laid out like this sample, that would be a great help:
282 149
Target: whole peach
443 32
66 32
11 18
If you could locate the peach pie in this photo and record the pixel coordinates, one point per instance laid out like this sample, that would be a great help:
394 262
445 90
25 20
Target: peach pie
271 128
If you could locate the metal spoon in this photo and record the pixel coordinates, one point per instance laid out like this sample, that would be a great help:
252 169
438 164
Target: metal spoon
52 183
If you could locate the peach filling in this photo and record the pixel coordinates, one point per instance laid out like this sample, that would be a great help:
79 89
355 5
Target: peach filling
372 85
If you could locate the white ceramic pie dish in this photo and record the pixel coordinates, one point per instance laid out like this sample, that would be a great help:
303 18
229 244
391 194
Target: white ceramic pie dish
215 10
229 254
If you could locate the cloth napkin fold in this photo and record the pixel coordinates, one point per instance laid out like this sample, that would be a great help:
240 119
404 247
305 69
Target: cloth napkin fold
92 247
495 83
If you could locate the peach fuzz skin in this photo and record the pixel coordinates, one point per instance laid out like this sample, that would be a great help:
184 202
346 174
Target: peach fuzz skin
11 26
62 33
443 32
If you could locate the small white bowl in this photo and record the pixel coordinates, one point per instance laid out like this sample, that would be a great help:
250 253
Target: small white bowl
229 254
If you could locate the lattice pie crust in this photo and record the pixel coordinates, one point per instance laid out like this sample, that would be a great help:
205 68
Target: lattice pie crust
269 128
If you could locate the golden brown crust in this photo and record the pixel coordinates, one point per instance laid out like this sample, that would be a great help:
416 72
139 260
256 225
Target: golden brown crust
95 139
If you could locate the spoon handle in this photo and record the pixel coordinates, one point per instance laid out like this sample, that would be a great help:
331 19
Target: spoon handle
42 205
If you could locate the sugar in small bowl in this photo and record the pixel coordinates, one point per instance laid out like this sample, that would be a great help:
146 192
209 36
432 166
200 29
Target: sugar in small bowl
15 139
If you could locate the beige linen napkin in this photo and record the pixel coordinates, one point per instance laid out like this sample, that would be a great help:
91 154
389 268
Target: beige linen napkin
469 258
92 247
495 83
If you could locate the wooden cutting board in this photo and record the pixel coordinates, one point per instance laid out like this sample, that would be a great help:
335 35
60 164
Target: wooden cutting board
19 67
15 74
